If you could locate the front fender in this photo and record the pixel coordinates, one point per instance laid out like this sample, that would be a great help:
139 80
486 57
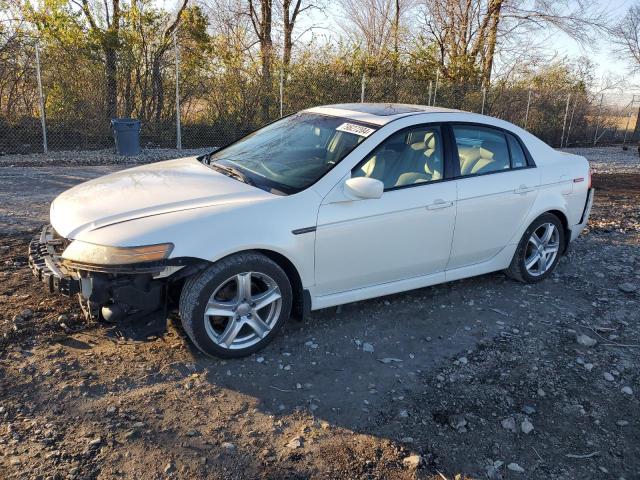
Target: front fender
212 233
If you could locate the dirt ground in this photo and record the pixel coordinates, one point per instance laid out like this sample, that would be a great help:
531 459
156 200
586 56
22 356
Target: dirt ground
479 378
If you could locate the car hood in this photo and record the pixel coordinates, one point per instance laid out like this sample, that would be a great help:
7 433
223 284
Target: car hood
144 191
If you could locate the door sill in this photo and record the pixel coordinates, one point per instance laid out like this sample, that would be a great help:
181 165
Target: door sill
378 290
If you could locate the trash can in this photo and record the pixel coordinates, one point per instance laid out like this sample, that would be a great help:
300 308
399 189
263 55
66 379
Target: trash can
126 132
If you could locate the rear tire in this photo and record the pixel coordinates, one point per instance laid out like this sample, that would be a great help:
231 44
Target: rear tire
539 250
237 306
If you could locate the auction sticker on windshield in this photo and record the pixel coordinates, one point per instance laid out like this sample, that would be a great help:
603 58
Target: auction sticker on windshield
355 129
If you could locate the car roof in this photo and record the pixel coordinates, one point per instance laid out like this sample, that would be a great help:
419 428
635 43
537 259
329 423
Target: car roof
376 113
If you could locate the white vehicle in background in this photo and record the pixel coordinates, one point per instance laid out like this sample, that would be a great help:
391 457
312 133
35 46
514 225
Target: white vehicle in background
327 206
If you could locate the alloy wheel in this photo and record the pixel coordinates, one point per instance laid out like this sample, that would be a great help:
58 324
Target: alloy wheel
242 310
542 249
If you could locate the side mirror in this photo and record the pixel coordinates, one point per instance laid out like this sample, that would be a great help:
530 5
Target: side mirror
364 187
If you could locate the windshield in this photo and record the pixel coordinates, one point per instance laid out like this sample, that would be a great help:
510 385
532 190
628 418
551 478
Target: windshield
291 154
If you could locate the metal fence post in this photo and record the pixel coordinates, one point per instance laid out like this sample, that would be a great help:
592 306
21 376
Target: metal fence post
362 84
573 111
595 135
281 90
484 97
178 126
43 121
626 129
566 114
435 90
526 115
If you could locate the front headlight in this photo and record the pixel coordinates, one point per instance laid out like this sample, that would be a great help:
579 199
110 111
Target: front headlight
83 252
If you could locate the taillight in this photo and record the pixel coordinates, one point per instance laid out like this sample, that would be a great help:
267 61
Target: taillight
589 185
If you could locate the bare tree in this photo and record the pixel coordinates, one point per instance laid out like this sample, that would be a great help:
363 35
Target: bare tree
291 11
626 38
261 14
157 87
468 32
369 24
105 24
106 27
378 28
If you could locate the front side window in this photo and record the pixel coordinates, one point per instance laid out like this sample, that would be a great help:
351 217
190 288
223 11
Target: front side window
291 154
481 150
406 158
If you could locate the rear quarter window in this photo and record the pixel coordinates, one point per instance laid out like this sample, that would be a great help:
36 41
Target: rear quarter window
518 158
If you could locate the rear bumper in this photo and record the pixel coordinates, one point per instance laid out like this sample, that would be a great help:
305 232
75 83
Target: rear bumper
44 262
577 229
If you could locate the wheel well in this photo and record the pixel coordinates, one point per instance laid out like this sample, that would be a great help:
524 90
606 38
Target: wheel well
565 224
298 306
294 277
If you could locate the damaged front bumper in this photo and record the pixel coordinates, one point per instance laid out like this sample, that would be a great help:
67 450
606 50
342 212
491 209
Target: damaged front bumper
109 293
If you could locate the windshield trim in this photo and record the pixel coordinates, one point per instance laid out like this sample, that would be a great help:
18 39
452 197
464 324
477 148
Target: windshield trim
273 186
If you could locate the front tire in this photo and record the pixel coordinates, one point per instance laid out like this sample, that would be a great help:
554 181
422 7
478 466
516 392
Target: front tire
539 250
237 306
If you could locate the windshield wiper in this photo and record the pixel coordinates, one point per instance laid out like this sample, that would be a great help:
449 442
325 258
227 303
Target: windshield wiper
233 173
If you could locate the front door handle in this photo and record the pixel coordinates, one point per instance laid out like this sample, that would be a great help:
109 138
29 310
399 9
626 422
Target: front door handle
522 189
439 204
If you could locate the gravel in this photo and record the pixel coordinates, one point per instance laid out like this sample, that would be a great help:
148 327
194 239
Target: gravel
610 159
97 157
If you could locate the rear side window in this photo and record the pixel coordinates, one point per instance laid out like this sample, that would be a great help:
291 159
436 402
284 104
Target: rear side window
518 158
481 150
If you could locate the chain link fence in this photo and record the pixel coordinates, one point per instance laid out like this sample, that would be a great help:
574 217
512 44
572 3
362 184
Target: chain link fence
45 106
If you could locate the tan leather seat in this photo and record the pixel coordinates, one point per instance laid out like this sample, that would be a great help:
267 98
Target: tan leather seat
473 159
401 163
377 166
427 160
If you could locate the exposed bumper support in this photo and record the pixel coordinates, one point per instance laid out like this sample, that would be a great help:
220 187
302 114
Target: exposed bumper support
121 294
44 262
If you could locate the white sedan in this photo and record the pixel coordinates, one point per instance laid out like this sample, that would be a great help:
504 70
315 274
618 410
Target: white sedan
331 205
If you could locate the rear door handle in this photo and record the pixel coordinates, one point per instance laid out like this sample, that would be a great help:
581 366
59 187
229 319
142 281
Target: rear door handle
522 189
439 204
